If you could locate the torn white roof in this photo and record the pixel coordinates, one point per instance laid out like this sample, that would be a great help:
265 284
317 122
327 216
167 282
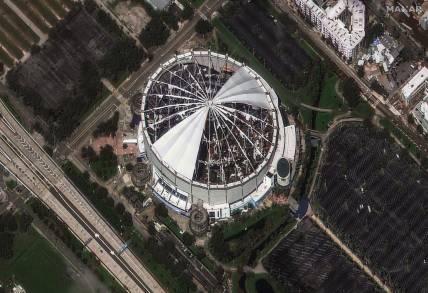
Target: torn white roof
243 87
180 145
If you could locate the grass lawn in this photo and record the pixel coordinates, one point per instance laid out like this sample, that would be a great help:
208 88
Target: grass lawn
38 266
262 283
330 100
236 227
197 3
235 282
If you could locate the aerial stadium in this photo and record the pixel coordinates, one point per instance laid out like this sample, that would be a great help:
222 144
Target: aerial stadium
212 131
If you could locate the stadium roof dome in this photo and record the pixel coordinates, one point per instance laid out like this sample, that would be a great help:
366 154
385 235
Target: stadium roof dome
209 119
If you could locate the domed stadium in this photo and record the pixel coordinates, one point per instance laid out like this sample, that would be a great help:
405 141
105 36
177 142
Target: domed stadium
211 128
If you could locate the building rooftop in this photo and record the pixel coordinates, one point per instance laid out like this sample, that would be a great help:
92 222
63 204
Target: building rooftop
414 83
159 4
421 114
350 36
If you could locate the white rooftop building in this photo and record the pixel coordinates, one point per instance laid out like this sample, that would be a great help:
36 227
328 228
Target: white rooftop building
416 86
346 33
212 130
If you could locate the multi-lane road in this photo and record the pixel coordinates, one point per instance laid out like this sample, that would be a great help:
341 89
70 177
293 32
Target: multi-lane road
23 157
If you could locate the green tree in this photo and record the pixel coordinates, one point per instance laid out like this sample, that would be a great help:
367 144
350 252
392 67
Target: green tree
6 245
88 153
188 239
90 80
105 164
378 88
24 221
170 20
125 56
154 34
424 163
127 219
119 208
107 128
187 12
351 92
410 119
374 31
364 110
11 184
161 211
203 27
151 228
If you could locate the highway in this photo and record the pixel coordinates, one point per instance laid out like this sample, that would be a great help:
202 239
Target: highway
23 157
136 80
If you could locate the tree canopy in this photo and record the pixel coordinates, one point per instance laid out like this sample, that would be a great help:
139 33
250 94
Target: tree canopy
203 27
161 211
351 92
154 34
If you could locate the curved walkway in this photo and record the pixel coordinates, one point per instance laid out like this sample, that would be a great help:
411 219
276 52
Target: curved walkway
318 109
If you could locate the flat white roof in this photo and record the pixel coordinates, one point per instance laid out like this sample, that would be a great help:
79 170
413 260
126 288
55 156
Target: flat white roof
420 77
424 110
290 142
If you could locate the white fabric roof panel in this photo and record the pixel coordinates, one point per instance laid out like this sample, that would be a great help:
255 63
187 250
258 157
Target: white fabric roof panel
243 88
180 145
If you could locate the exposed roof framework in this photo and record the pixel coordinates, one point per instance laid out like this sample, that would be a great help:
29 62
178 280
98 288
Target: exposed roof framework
209 122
